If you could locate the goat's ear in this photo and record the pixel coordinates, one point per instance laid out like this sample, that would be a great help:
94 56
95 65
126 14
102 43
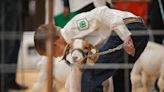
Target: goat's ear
91 60
87 44
66 51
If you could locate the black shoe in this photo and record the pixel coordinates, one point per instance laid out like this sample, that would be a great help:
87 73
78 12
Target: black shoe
18 87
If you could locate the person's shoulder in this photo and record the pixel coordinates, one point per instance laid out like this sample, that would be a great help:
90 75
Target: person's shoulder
79 16
66 34
100 8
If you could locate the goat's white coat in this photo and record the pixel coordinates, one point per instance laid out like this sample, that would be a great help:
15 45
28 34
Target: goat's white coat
148 68
77 44
65 74
61 71
73 83
70 76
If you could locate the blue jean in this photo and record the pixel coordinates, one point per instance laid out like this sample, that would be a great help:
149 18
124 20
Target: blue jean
92 78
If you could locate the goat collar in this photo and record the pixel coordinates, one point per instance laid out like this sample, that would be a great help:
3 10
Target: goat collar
84 55
81 51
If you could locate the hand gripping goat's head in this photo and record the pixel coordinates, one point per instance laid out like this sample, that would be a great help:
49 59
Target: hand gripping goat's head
80 49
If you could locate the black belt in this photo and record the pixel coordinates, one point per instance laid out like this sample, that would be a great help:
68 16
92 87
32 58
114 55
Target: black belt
132 20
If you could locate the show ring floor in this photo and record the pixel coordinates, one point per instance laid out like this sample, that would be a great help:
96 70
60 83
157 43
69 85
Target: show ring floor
28 78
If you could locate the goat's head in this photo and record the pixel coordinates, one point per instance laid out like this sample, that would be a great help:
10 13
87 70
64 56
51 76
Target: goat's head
80 49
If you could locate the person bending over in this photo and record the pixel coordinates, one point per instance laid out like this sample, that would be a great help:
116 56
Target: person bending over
96 27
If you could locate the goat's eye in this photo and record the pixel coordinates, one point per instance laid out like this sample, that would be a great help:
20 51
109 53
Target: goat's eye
85 48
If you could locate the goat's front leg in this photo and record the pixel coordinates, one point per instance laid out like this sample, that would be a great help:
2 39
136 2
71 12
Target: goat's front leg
148 82
73 82
136 78
41 77
108 85
161 80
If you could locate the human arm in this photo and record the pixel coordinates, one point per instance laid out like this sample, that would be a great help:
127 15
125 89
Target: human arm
96 19
109 18
128 46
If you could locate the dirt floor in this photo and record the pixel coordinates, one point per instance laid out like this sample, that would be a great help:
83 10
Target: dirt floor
28 78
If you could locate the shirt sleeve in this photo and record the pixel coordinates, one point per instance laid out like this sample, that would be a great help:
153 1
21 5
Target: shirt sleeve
106 16
88 23
80 26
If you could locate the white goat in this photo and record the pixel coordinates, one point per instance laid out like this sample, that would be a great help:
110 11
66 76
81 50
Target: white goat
61 71
79 50
70 76
148 68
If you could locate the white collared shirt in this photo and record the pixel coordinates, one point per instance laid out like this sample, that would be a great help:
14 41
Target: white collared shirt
97 25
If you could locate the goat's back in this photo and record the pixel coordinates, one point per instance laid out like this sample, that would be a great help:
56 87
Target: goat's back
152 58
